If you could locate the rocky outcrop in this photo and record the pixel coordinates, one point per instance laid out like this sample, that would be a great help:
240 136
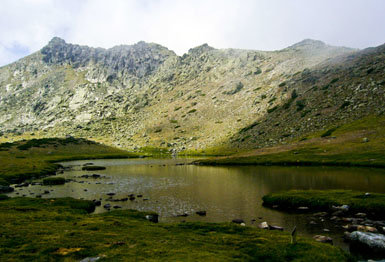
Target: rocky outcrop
139 60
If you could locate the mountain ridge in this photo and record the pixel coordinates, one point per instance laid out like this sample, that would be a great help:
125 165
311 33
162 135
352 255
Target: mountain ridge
145 95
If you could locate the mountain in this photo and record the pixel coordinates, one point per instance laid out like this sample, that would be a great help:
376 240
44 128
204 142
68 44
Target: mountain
144 95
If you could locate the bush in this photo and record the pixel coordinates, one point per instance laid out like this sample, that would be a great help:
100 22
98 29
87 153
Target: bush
293 96
257 71
3 197
270 110
345 104
334 80
54 181
248 127
300 105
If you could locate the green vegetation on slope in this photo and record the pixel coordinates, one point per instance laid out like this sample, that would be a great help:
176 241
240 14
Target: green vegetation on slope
35 158
359 143
61 230
372 204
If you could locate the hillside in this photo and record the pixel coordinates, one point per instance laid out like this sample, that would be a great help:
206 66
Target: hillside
211 100
35 158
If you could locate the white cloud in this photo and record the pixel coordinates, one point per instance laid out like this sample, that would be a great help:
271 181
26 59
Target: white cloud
180 25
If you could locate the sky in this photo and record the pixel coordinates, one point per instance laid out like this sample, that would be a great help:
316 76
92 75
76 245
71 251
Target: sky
27 25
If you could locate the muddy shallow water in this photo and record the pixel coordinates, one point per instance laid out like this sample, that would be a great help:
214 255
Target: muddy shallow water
225 193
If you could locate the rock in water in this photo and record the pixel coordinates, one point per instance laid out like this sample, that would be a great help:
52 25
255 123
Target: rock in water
90 259
362 215
366 229
97 202
275 228
323 239
264 225
238 221
201 213
320 214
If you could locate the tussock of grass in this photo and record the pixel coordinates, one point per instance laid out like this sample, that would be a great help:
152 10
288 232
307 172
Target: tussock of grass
373 204
38 229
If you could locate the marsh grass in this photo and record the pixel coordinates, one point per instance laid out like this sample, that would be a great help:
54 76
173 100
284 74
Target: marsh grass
62 230
372 204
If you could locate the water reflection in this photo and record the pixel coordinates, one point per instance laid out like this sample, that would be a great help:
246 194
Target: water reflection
224 192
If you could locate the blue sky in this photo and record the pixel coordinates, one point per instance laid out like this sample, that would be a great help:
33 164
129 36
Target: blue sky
27 25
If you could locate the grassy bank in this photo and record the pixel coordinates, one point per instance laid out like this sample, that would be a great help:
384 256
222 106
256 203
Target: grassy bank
360 143
61 229
35 158
372 204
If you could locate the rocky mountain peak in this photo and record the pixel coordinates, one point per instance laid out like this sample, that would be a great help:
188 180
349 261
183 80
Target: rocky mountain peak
55 41
139 59
310 44
200 49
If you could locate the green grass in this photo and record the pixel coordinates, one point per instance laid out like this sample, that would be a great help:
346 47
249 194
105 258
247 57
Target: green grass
36 158
374 204
211 151
61 230
304 157
317 150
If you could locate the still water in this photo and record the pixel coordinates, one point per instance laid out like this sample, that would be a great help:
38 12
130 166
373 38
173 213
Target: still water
225 193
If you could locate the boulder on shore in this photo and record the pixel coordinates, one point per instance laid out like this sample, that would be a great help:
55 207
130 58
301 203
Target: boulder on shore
372 241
